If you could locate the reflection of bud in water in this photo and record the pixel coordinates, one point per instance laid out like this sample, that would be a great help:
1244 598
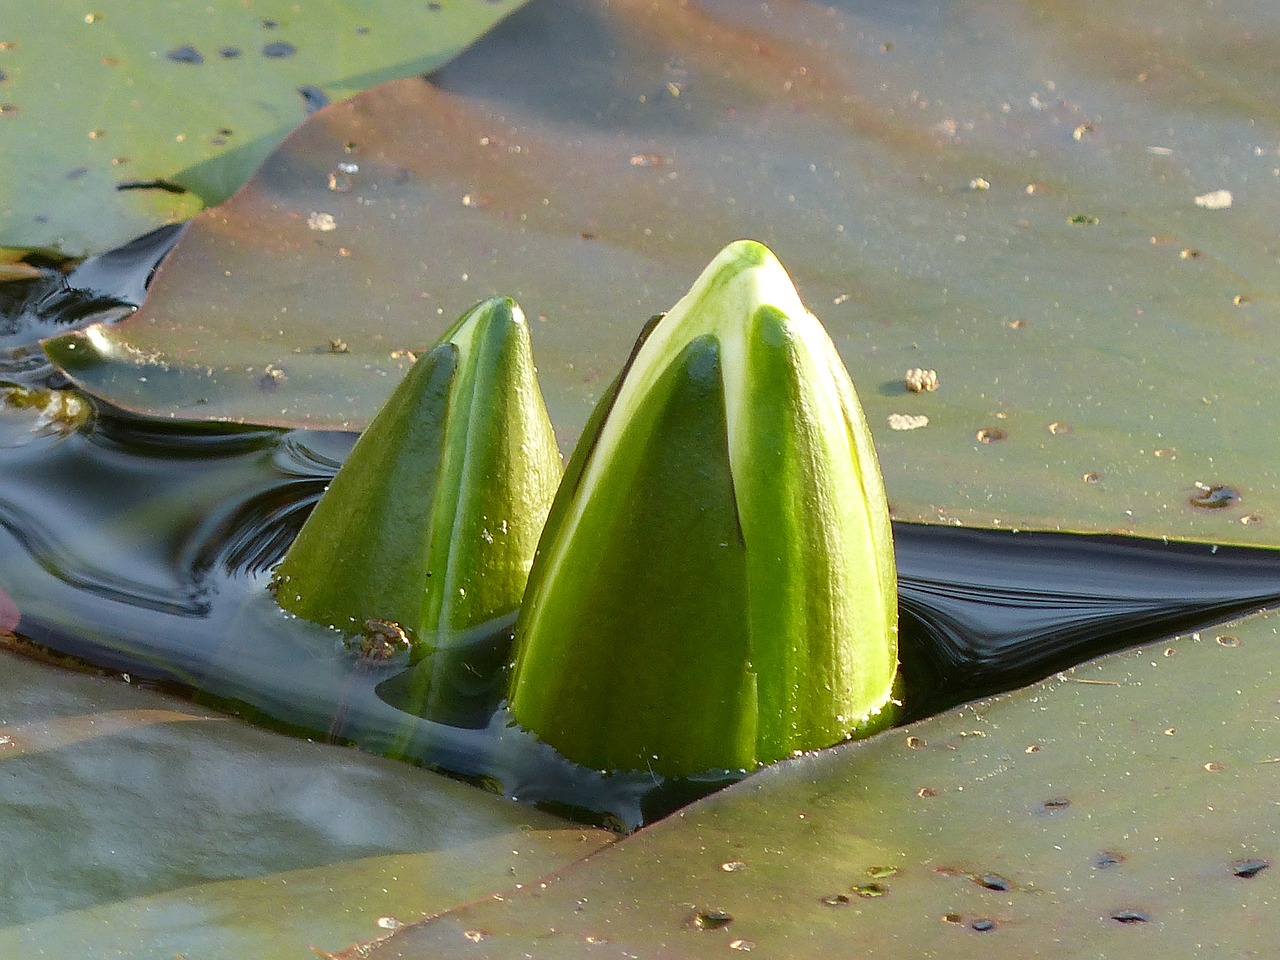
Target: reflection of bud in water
431 523
715 587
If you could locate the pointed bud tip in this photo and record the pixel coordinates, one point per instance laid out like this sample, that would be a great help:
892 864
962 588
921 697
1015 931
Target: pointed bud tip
492 321
749 257
501 308
749 252
403 533
743 277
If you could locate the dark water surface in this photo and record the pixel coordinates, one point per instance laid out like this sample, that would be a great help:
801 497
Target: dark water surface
145 547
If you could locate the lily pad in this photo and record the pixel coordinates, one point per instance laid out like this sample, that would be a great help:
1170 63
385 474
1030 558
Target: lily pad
1002 194
137 824
119 117
1112 809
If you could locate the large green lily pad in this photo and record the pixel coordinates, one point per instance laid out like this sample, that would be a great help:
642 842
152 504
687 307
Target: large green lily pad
1126 807
937 118
117 117
1022 197
136 825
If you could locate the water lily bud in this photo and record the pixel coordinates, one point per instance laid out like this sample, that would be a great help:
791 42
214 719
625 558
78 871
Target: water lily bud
432 522
715 588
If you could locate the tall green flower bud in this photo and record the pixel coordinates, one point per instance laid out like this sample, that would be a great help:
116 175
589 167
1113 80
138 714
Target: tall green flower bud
432 522
715 587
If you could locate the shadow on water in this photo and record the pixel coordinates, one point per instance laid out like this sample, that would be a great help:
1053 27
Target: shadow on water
145 547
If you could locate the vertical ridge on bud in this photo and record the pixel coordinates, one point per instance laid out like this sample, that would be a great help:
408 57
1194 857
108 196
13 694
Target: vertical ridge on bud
635 539
715 587
432 521
811 505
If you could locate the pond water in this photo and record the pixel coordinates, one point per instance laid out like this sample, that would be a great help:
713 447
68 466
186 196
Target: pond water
145 547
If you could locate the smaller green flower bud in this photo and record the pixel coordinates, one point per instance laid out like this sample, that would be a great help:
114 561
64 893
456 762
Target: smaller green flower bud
431 524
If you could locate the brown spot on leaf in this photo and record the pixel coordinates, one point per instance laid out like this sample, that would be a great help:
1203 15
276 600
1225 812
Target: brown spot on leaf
1128 915
1106 859
1250 868
9 615
1213 496
710 920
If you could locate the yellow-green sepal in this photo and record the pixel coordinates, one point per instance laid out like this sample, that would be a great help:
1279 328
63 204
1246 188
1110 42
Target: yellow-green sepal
821 571
607 671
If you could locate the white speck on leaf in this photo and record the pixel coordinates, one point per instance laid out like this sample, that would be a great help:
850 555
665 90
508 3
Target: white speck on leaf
907 421
1215 200
323 222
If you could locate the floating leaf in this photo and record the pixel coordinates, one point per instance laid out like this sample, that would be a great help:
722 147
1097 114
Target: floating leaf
119 117
554 162
1128 331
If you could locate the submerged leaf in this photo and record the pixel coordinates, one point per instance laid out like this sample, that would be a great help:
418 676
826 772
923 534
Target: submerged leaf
143 827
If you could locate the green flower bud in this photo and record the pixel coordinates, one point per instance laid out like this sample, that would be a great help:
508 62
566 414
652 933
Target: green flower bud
431 524
715 587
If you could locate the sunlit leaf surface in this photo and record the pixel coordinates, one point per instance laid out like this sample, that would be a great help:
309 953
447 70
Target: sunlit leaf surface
116 117
1024 197
1065 209
136 825
1127 806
